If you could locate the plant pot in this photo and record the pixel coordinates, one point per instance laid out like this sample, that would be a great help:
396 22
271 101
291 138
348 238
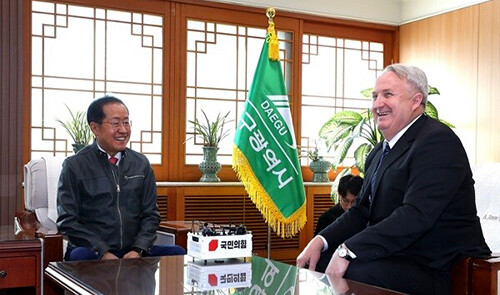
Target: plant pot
77 147
209 167
320 168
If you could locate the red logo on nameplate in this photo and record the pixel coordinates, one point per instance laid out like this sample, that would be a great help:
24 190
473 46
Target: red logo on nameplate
213 245
212 279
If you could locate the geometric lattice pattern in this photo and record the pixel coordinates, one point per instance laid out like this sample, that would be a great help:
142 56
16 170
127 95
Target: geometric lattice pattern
80 53
221 61
334 71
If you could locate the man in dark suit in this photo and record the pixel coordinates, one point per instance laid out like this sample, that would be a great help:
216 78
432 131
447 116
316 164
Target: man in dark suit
415 216
348 189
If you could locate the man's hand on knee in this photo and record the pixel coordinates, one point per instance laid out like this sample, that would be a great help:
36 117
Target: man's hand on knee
132 254
310 255
108 256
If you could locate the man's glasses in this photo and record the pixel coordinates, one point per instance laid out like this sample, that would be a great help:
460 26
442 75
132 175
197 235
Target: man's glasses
345 201
116 124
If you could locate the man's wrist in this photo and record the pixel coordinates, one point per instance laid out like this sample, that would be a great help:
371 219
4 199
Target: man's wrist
138 250
325 243
345 253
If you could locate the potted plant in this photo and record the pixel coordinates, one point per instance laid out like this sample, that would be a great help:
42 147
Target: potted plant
318 165
212 132
78 128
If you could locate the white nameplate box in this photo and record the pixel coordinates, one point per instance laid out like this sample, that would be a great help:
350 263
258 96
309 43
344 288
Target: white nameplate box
230 273
219 246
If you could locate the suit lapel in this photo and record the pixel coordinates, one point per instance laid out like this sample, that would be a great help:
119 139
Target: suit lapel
403 144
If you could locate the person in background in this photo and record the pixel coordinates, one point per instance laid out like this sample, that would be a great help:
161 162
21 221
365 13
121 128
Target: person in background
415 216
348 189
106 197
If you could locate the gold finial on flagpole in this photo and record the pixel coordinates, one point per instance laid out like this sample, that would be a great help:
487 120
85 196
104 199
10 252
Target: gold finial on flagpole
272 38
270 12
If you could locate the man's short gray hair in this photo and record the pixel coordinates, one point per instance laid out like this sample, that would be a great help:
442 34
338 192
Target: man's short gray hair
415 76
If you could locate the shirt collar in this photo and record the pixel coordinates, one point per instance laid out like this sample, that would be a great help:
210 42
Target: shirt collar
398 135
118 155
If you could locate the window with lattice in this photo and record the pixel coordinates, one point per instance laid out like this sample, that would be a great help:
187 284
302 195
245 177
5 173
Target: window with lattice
80 53
334 72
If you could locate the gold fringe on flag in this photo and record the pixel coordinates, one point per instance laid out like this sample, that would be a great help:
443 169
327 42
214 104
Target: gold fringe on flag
284 227
272 38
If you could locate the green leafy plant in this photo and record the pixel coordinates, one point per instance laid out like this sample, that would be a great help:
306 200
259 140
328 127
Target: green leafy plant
313 154
347 127
211 132
77 127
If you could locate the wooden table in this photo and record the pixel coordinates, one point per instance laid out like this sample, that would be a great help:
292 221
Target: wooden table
183 275
20 261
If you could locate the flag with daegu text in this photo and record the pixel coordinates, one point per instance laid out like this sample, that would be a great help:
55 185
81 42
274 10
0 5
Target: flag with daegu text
265 155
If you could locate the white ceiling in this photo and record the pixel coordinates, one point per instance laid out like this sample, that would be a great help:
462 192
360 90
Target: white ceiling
391 12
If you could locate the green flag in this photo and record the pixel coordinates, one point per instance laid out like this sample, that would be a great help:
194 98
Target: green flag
265 153
273 277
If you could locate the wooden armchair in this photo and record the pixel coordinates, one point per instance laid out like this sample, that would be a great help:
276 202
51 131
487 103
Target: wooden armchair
476 275
35 218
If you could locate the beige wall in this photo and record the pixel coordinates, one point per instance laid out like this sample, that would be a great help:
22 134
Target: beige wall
460 52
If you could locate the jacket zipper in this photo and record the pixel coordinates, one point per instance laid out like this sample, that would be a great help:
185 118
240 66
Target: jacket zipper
117 182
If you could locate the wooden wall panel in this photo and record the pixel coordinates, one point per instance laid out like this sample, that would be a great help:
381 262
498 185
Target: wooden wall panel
488 103
322 202
11 108
446 48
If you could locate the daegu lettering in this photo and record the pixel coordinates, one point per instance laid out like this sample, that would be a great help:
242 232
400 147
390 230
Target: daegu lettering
250 125
257 141
280 176
271 160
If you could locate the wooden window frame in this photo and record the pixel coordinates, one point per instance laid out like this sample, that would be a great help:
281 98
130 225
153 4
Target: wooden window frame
176 13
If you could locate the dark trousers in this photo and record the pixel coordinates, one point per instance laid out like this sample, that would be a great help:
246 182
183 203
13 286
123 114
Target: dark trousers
83 253
396 273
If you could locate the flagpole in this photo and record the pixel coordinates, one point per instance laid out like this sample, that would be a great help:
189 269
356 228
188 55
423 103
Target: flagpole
268 242
270 13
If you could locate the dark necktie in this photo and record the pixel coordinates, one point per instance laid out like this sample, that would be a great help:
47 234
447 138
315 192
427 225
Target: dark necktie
387 148
113 160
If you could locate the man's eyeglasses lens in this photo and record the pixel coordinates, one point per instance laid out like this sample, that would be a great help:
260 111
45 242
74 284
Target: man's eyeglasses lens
347 202
117 124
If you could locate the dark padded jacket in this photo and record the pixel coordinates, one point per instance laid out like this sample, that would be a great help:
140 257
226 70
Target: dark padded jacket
106 207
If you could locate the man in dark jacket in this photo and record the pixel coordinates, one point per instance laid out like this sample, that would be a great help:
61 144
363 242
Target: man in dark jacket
415 216
106 198
348 189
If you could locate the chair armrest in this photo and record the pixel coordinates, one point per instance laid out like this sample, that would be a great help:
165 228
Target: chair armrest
164 238
26 221
460 277
484 277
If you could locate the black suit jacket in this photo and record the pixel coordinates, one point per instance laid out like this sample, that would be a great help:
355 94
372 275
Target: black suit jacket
328 217
423 205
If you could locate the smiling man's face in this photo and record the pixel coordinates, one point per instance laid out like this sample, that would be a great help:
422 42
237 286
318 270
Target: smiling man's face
395 104
110 136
